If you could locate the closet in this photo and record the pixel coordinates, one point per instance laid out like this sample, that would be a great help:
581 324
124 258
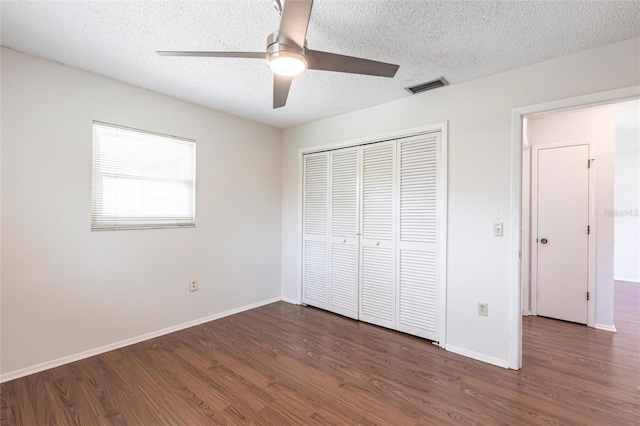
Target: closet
373 228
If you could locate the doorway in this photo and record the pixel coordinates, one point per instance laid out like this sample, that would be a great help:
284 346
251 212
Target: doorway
519 276
626 212
521 216
570 156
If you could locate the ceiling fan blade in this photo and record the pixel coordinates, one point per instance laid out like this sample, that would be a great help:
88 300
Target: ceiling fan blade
257 55
326 61
295 20
281 86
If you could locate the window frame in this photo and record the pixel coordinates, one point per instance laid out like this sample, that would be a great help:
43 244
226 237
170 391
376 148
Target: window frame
100 222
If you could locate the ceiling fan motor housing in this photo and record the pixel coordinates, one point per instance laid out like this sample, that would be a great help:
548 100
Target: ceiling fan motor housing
277 42
281 48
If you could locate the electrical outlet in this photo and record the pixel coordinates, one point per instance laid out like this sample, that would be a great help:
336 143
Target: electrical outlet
193 285
483 309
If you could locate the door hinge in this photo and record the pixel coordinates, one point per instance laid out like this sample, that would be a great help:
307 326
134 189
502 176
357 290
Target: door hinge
588 230
587 295
589 161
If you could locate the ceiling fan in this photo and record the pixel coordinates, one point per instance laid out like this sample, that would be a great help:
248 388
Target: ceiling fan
287 54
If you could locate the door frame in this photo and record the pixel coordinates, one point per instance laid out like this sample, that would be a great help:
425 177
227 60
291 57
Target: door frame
591 255
442 127
516 241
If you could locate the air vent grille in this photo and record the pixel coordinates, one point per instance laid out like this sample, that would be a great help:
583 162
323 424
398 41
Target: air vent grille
429 85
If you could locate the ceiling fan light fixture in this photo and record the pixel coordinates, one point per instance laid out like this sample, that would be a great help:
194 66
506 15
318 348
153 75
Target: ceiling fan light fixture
287 52
287 63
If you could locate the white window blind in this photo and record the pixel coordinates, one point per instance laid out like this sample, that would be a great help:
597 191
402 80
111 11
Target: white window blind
141 179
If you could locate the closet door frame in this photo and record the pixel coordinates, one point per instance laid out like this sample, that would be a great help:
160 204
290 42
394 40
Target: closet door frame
442 127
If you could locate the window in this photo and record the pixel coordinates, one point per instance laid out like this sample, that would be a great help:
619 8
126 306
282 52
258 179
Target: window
141 179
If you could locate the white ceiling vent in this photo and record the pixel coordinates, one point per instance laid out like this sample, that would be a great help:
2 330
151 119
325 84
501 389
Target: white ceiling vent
429 85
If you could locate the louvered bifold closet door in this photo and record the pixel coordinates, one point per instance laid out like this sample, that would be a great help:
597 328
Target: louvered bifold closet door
418 190
377 255
315 245
343 266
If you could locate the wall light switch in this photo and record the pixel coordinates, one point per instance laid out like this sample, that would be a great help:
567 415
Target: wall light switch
497 229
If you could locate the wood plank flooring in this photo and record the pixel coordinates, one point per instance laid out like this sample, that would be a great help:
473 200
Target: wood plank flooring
283 364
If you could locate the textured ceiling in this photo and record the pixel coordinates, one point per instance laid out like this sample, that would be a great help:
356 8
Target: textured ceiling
458 40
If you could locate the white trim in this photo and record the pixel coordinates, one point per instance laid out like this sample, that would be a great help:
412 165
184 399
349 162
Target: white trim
593 237
11 375
525 271
593 99
605 327
478 356
533 230
300 220
443 233
515 244
629 280
289 300
590 100
397 134
533 222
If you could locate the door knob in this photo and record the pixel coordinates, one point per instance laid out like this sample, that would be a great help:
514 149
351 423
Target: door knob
377 243
344 240
544 241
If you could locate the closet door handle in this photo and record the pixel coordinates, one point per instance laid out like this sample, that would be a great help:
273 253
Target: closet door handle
377 243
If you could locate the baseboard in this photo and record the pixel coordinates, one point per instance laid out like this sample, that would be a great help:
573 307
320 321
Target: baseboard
605 327
478 356
5 377
288 300
629 280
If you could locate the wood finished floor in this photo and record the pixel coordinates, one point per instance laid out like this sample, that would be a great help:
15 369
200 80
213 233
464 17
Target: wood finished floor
283 364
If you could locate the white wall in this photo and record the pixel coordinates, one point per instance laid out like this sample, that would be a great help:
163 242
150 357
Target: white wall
66 289
479 114
627 193
596 125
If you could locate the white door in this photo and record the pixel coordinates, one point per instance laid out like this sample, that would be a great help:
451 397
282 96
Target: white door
417 273
374 233
562 232
315 220
377 254
344 209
